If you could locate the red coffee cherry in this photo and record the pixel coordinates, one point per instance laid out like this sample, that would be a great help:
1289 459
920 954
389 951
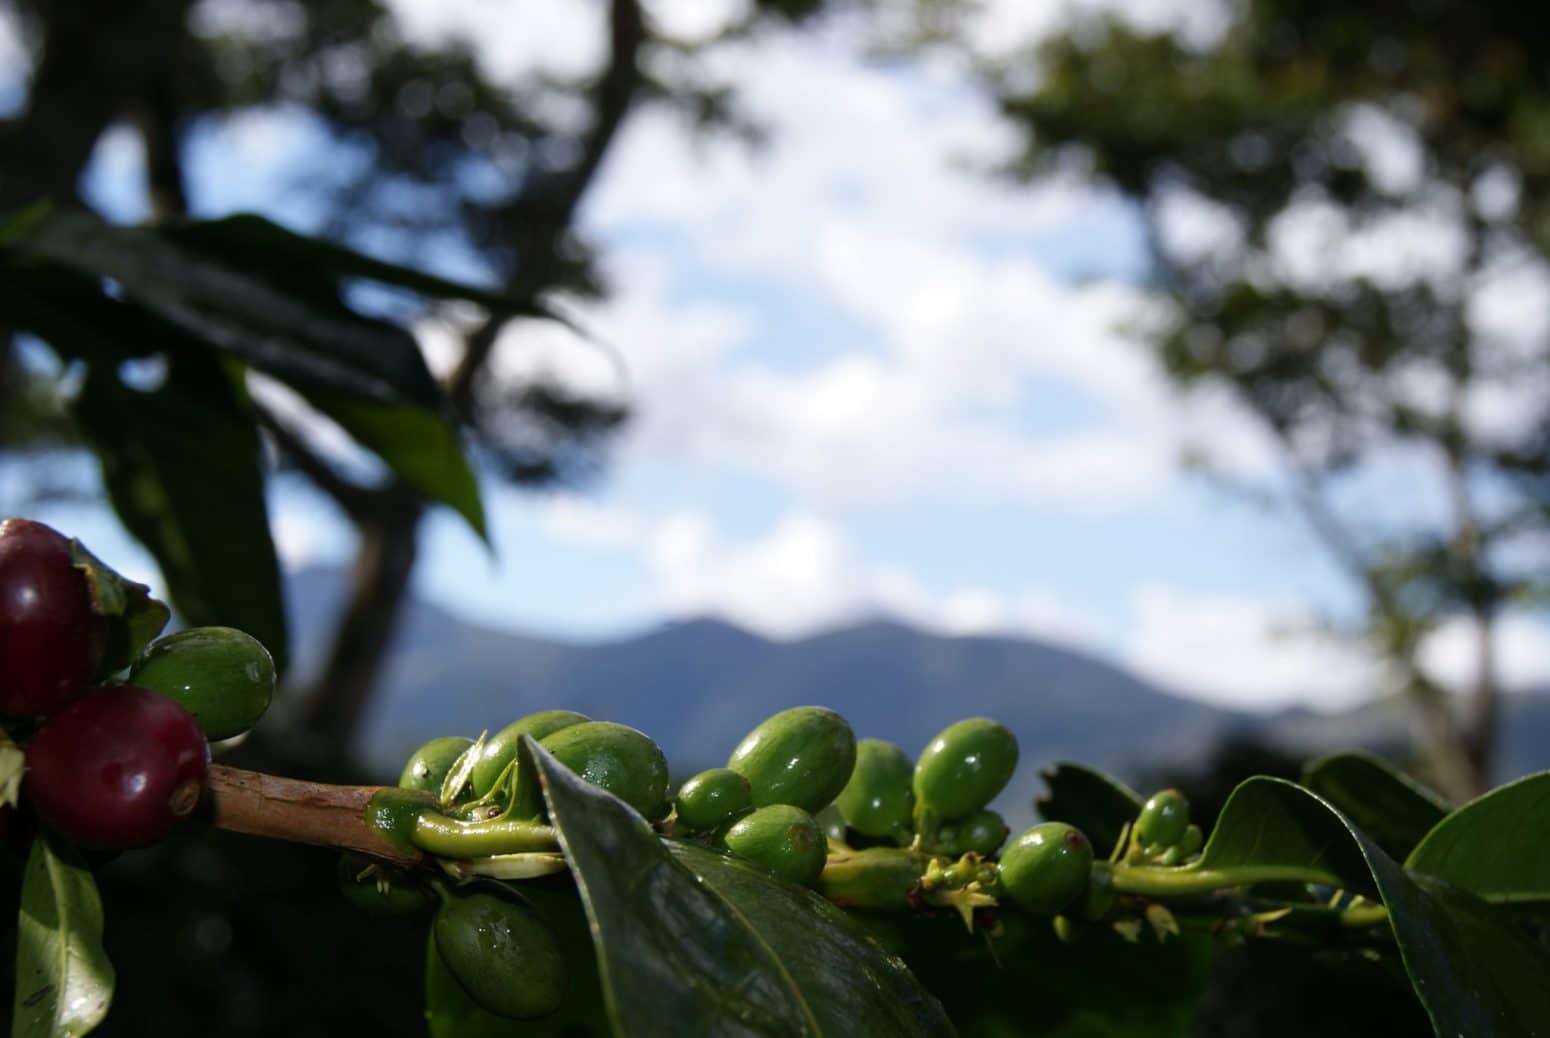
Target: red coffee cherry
117 768
50 640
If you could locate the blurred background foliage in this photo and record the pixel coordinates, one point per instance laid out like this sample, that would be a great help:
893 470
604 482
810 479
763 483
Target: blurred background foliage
1325 116
439 157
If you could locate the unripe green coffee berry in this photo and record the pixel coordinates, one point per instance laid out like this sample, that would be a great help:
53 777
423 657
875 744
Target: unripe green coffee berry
501 748
1193 840
878 800
712 798
427 768
783 840
378 889
502 951
802 757
222 676
983 833
1047 867
1163 819
620 759
964 767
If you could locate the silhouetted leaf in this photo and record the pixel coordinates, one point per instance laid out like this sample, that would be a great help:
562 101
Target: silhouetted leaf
181 464
237 312
420 446
252 242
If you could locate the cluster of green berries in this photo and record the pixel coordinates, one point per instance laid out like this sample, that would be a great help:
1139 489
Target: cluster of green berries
1162 833
111 760
799 798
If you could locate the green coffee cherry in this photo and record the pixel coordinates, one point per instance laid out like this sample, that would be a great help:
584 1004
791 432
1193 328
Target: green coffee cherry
783 840
1047 867
619 759
964 767
712 798
378 889
501 749
427 768
878 877
1193 840
502 951
1163 819
983 833
220 675
802 757
878 801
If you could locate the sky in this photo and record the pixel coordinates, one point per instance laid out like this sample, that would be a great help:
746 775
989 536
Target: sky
868 380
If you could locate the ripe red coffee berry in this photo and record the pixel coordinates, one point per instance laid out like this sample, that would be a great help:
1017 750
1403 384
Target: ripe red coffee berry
117 768
50 640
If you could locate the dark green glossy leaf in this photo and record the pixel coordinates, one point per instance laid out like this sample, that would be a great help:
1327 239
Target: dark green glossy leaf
669 950
850 981
1022 981
450 1013
181 465
1383 802
239 312
133 616
1497 846
254 243
420 446
1474 966
64 981
1095 803
1270 826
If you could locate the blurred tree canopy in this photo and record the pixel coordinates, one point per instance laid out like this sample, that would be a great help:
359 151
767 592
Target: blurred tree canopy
426 150
1349 212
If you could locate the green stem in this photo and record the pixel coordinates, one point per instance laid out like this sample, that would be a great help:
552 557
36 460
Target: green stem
1152 881
449 838
1364 916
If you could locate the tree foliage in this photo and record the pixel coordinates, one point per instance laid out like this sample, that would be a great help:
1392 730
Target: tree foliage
1346 205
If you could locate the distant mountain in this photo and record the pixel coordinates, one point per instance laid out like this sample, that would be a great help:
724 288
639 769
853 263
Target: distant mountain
697 686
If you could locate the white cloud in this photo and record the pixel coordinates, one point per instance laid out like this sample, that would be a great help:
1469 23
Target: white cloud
1243 651
556 37
1264 652
804 575
1001 28
573 519
1521 644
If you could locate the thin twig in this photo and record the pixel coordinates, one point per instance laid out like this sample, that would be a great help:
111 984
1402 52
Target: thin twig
302 812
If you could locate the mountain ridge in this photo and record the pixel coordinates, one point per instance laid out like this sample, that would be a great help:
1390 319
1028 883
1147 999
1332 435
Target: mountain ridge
697 685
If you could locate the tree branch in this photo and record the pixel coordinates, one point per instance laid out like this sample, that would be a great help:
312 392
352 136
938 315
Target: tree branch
301 812
615 92
359 503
